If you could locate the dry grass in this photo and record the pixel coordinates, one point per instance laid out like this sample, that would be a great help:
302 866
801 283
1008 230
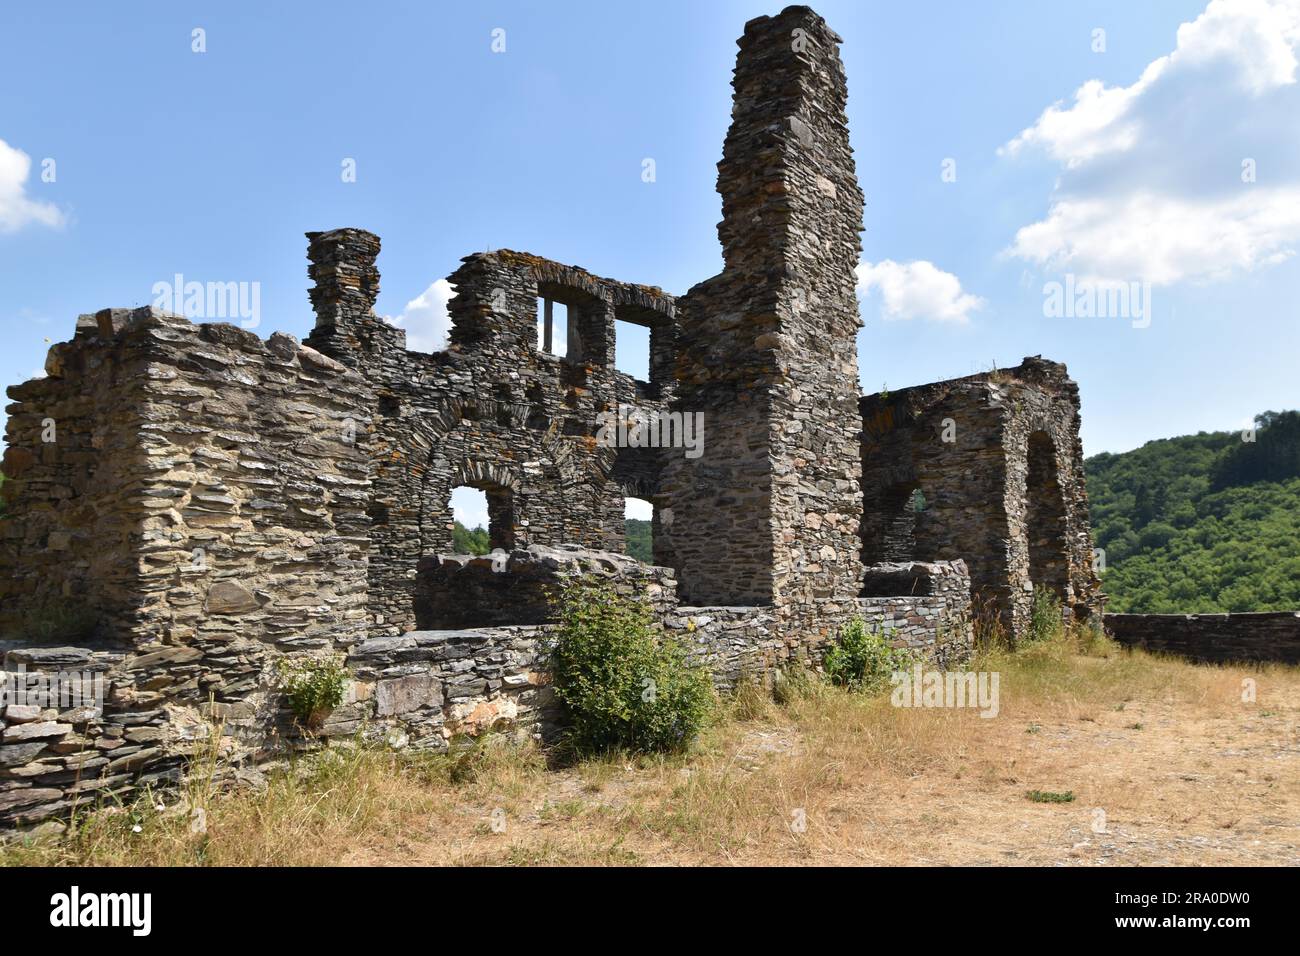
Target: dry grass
1185 771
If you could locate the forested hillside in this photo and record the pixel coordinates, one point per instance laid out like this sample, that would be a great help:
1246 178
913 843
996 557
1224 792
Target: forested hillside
638 539
465 541
1205 522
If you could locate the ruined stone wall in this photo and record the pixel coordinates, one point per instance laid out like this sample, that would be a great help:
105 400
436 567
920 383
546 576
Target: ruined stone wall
770 512
519 587
203 486
493 411
997 461
1213 638
207 499
75 467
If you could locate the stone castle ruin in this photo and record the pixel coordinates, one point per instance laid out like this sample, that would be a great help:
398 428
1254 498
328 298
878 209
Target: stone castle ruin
187 504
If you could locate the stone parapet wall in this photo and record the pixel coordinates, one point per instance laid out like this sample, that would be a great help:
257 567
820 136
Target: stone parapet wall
430 686
518 587
1214 638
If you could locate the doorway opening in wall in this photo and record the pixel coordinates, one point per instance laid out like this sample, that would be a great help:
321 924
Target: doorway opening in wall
632 349
1045 517
552 326
638 518
483 520
889 523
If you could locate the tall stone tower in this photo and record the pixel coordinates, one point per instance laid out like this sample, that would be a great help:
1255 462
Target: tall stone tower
769 513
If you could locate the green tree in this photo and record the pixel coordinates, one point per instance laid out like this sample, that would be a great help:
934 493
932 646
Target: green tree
464 541
638 540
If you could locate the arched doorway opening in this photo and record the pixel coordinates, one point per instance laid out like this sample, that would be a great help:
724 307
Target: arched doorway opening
1045 517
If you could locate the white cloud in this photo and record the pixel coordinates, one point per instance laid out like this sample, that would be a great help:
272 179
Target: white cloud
16 208
1152 186
636 508
1164 239
426 319
917 290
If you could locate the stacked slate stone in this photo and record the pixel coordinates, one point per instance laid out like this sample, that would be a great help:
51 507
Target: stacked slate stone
462 590
767 348
492 411
998 464
1250 637
200 510
346 285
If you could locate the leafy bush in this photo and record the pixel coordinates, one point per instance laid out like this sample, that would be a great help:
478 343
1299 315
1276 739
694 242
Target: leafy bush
863 659
1045 621
619 684
1050 796
314 685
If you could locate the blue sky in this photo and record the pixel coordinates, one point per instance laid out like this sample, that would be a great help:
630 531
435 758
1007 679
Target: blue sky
213 165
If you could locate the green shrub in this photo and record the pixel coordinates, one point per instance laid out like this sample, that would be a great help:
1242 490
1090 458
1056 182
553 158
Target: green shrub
619 684
1045 621
314 685
1050 796
862 659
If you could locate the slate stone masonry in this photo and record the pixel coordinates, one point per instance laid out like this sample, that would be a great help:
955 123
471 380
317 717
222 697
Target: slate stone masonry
1251 637
986 468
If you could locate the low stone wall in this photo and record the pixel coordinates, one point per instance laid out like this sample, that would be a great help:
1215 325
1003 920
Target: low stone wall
464 590
73 729
140 724
1213 638
427 687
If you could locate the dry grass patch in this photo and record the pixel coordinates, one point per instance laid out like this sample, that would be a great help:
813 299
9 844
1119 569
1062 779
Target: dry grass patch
1182 768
